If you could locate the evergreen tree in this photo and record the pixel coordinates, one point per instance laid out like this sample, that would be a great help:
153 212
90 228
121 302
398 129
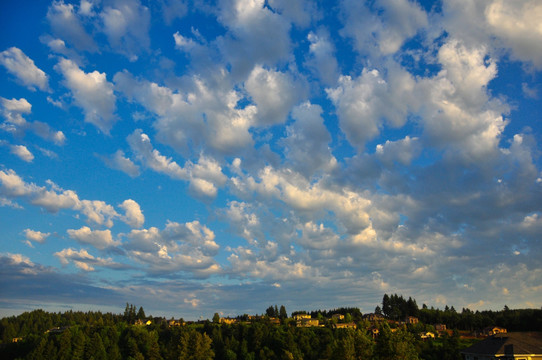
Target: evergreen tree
282 313
141 313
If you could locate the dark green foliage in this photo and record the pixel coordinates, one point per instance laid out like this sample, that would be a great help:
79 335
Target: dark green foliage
94 335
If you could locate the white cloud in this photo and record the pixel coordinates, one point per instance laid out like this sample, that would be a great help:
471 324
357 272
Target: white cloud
248 42
54 198
20 65
274 92
22 152
518 25
183 43
458 111
205 114
385 34
92 92
322 59
126 24
140 143
99 212
83 260
13 110
188 247
67 25
133 216
307 141
13 185
100 239
44 131
365 102
173 9
512 26
36 236
402 151
298 12
246 263
120 162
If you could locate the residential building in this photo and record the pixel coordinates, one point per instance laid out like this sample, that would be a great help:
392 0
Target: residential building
337 317
492 330
301 316
374 317
411 320
228 321
307 322
427 335
440 327
507 346
344 326
374 331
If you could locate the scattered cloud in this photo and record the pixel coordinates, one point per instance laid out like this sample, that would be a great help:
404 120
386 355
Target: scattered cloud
36 236
24 69
92 92
22 152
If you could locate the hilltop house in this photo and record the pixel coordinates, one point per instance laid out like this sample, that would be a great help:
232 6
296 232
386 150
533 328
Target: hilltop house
427 335
228 321
174 322
411 320
301 316
492 330
374 317
337 317
374 331
307 322
507 346
344 326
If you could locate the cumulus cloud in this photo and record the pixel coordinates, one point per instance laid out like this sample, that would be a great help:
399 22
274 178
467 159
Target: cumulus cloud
140 143
83 260
22 152
256 35
134 216
126 24
67 25
321 59
92 92
53 199
24 69
518 25
307 141
118 161
402 151
188 247
365 102
206 114
173 9
382 35
36 236
100 239
459 111
13 110
274 92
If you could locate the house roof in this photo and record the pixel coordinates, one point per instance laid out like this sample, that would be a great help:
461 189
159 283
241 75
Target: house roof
508 343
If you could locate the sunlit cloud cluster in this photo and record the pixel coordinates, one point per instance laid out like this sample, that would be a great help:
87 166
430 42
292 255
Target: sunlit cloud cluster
248 152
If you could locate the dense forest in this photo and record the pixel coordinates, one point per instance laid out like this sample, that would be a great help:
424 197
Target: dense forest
274 335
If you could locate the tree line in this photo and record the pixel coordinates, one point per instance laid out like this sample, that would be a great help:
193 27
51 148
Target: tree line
396 307
95 335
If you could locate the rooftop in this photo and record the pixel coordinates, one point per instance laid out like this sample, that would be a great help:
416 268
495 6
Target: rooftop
508 343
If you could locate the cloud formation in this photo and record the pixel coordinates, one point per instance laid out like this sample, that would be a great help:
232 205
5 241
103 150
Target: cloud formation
24 69
92 92
302 153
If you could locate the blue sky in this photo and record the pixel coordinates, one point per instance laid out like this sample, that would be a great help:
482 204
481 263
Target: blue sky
198 157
